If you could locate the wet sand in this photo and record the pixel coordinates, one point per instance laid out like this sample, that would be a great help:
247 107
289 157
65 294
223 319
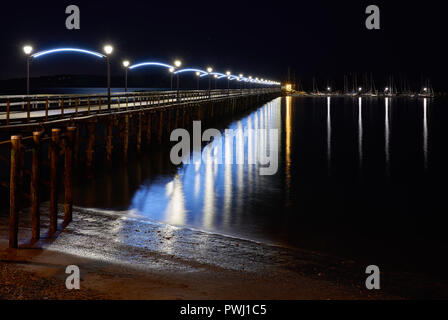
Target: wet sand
122 256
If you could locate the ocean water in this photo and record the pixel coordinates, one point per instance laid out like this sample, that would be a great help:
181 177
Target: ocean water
359 178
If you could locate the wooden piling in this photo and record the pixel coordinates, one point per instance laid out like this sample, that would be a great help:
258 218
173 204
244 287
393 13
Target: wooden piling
160 127
34 189
139 132
109 130
14 197
126 138
54 145
90 148
148 128
68 175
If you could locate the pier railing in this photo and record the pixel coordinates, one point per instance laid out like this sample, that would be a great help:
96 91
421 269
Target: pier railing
42 108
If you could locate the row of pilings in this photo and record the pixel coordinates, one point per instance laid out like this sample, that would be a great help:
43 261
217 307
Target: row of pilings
42 158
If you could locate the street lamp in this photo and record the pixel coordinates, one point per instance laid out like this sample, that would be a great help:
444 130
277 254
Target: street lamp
177 64
126 64
209 70
250 83
108 49
171 75
216 78
198 74
240 79
28 50
228 82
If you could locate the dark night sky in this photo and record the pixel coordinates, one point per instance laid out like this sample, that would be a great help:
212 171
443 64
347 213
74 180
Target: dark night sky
322 38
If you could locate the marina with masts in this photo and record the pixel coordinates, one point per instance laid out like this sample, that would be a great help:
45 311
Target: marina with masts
365 88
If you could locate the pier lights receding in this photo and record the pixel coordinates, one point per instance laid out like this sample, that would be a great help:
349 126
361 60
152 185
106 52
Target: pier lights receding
108 49
28 50
126 64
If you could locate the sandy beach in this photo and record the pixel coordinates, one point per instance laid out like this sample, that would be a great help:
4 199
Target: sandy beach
134 258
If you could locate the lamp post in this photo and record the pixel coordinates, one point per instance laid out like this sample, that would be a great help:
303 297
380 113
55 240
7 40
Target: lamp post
241 85
216 79
209 70
198 74
108 49
250 83
28 50
177 64
126 65
228 82
171 77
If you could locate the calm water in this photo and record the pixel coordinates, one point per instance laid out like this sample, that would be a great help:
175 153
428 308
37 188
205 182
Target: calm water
359 178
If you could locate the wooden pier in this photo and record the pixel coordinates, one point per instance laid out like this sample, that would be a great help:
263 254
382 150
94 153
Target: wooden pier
50 137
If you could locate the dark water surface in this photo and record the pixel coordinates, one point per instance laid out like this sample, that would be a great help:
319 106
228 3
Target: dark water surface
361 178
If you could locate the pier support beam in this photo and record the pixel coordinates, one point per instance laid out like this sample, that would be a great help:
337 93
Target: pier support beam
54 145
126 138
68 176
139 132
160 127
14 189
90 149
34 188
148 128
109 128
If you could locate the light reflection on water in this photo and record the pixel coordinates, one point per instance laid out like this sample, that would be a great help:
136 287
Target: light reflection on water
396 145
210 195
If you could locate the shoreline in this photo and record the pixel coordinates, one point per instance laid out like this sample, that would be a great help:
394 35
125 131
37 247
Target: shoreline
135 259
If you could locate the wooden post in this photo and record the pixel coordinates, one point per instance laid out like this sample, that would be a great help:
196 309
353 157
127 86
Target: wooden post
126 138
14 190
68 176
176 118
7 112
160 126
46 109
62 108
54 180
28 111
148 129
90 149
109 142
35 196
139 133
168 120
